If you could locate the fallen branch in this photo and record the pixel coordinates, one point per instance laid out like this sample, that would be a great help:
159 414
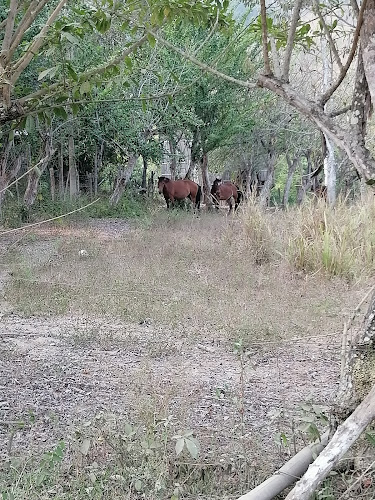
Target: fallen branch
345 436
288 473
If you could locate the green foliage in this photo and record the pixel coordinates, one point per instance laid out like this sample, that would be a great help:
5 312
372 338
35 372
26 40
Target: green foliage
279 31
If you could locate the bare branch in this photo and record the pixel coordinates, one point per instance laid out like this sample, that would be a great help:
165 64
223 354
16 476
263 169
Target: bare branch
328 35
38 42
327 95
355 7
290 41
266 59
29 17
346 141
341 111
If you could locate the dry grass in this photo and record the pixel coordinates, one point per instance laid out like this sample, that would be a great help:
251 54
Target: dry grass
198 273
172 287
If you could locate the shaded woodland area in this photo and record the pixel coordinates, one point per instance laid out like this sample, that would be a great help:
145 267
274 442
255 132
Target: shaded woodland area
98 100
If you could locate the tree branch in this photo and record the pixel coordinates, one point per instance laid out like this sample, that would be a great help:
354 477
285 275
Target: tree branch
342 440
327 95
38 42
88 74
266 59
341 111
346 141
29 17
8 30
200 64
328 35
290 41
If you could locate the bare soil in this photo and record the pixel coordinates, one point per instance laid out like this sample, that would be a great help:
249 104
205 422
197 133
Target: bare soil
67 368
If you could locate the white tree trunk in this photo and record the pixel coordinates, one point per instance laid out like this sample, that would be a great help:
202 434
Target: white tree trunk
368 46
330 167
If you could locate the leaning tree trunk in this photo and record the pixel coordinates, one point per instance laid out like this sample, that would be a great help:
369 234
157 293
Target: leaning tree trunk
122 180
292 166
35 174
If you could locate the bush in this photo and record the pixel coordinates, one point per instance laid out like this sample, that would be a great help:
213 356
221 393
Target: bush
130 206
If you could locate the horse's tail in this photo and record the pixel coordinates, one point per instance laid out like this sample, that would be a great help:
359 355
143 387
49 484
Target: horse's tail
198 197
239 196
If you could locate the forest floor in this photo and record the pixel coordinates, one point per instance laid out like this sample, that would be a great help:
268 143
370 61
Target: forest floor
142 328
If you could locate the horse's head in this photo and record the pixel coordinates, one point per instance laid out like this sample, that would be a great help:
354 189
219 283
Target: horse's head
161 183
215 185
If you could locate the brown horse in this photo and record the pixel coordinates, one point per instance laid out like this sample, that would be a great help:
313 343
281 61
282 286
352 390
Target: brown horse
226 191
179 190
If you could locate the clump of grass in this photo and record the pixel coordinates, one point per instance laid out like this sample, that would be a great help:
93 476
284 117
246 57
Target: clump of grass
257 233
338 241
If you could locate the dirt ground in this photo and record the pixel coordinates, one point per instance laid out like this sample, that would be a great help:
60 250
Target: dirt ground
67 368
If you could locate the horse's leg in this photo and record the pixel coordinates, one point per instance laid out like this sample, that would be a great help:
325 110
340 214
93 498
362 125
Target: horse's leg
216 202
229 201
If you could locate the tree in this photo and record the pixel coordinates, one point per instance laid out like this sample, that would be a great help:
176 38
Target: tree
313 109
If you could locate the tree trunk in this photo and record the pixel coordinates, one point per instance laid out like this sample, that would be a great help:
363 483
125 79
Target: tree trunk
306 180
190 170
150 187
346 141
329 161
73 174
265 193
368 46
97 165
206 180
61 171
144 174
330 169
89 184
292 166
38 170
123 178
173 159
52 183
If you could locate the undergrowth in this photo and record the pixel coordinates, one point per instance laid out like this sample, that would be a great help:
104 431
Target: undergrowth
315 238
130 207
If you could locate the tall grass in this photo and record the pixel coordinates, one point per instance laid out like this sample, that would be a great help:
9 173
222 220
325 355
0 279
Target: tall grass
337 241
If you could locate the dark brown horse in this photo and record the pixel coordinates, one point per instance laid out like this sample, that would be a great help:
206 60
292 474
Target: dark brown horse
179 190
226 191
